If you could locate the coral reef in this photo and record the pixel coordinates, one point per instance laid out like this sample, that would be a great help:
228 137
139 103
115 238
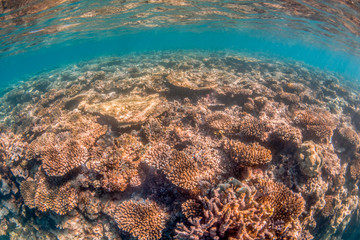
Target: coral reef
81 148
143 219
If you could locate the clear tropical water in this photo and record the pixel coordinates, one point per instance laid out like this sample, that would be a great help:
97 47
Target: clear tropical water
117 113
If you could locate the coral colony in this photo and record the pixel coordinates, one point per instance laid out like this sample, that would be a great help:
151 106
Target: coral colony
183 145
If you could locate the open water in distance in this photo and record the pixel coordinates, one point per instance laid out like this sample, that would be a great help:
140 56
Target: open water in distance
164 111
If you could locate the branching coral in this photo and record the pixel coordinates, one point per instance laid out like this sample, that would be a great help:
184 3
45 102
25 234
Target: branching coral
231 213
286 134
248 155
143 219
158 155
319 124
287 205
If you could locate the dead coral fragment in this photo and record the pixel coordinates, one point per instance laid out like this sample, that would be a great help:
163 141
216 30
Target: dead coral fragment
128 110
248 155
60 159
144 219
319 124
193 80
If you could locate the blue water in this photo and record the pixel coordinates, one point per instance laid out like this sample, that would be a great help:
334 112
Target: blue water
16 67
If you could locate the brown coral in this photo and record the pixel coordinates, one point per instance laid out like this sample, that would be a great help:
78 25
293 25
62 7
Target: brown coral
319 124
220 121
45 194
143 219
58 197
117 164
60 159
182 171
234 212
248 155
192 208
287 205
158 155
252 128
28 190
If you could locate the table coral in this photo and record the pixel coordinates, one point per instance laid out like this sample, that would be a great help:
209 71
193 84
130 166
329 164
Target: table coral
182 171
317 123
248 155
58 159
44 194
128 110
143 219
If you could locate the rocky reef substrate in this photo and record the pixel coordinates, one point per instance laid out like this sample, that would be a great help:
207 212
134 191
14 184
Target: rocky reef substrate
180 145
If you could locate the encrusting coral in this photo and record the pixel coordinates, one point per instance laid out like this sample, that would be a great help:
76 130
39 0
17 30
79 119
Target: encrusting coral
143 219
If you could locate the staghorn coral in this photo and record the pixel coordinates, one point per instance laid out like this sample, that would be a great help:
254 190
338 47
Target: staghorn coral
316 123
234 212
143 219
182 171
248 155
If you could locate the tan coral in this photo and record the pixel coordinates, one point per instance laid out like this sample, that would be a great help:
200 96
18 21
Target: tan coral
143 219
248 155
128 110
